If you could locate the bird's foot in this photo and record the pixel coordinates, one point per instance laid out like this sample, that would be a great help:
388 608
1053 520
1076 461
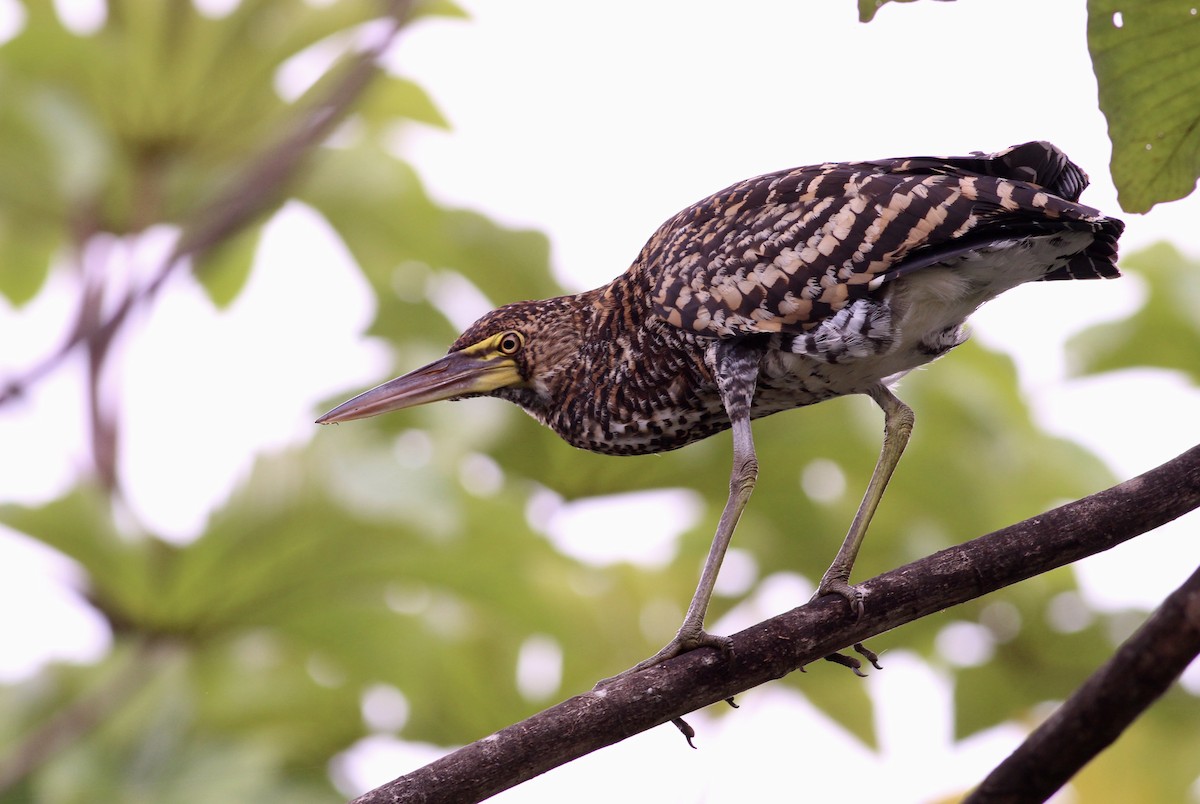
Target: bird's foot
688 732
868 654
839 586
683 642
854 597
854 664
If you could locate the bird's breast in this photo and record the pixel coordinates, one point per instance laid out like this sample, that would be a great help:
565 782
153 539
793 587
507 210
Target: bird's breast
636 411
627 421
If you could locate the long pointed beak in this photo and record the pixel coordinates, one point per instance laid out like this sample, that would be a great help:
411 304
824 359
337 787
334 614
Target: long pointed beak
457 374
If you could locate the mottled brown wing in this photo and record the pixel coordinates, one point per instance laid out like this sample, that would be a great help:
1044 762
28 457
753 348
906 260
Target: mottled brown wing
782 252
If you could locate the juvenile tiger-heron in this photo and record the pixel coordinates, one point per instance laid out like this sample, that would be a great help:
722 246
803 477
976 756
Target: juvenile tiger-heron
780 291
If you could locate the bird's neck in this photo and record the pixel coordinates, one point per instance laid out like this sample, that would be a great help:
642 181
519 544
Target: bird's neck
616 369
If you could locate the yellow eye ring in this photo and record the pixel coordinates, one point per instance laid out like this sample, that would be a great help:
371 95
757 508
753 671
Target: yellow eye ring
510 343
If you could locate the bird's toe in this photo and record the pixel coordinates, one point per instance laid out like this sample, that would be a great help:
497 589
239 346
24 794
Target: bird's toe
683 642
851 594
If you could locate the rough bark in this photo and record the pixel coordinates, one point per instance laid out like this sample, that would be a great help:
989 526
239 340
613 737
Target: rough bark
1142 669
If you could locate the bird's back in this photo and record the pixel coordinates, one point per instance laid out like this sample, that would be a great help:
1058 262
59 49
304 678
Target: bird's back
783 252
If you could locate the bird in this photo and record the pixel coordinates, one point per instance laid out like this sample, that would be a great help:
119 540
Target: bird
777 292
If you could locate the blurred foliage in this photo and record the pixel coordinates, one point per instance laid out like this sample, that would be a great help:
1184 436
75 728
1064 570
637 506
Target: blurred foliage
240 660
1165 330
140 122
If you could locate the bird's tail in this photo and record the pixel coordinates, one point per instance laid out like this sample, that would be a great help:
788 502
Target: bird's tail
1098 260
1043 164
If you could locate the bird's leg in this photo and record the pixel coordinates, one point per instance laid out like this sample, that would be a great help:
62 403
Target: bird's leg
741 484
737 375
897 426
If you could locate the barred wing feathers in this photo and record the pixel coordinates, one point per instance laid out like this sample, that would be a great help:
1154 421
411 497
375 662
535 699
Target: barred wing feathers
784 251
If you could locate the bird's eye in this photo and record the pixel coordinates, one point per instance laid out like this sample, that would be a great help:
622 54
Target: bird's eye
510 343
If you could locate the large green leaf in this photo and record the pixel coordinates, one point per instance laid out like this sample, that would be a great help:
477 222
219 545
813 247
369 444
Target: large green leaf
378 205
391 98
1032 664
25 251
409 580
50 148
1147 61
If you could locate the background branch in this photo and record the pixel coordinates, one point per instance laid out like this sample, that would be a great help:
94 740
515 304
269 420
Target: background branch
1141 671
786 643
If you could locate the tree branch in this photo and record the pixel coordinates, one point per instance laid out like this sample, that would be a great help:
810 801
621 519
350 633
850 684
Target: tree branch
1112 698
779 646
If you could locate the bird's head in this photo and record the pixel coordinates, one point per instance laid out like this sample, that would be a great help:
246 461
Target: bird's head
512 352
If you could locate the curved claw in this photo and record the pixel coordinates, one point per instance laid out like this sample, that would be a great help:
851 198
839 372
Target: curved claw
868 654
847 661
851 594
685 729
854 664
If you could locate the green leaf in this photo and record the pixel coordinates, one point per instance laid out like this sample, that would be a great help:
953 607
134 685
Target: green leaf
145 697
1147 61
401 239
1164 332
391 98
80 526
25 252
867 9
342 571
223 271
440 8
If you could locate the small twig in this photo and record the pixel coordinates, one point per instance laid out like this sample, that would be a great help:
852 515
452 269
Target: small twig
1144 667
637 702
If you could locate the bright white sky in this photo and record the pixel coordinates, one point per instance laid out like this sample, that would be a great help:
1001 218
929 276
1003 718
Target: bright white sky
594 123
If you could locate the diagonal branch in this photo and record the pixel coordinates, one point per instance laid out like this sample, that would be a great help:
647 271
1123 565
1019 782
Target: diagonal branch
783 644
1144 667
